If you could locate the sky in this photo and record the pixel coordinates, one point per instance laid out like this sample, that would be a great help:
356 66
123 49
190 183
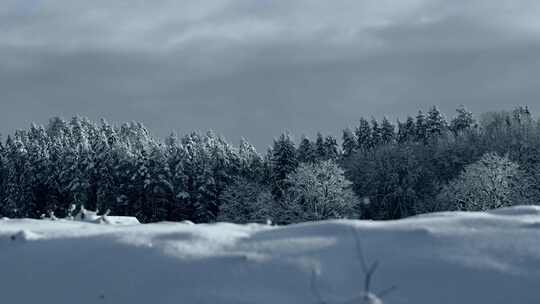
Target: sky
254 69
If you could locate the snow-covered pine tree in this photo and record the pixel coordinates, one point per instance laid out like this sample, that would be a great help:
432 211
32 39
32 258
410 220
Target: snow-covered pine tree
376 133
18 182
79 134
407 131
421 127
284 161
246 201
306 151
159 188
387 131
363 134
464 120
3 174
436 124
250 161
58 130
39 167
176 155
349 142
320 149
331 148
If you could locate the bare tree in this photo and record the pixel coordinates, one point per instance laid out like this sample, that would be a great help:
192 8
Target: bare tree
368 269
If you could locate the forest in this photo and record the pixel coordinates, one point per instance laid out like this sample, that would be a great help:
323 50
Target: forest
377 170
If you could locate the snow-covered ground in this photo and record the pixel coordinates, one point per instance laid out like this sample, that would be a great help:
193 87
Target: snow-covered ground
456 257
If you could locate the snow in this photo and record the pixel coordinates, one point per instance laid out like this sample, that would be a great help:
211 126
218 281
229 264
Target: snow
451 257
122 220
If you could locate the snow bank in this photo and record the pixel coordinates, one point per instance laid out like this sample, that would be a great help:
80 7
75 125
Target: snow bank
491 257
25 235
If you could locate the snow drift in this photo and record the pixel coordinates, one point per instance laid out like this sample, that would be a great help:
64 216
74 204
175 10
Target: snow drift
451 257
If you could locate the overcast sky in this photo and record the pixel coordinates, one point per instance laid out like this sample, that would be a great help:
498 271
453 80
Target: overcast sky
256 68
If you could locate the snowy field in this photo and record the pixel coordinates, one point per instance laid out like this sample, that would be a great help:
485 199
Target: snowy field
439 258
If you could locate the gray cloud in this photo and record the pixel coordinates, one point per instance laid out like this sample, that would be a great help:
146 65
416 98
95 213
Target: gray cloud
256 68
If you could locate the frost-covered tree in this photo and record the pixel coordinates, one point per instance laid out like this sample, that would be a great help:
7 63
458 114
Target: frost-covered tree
483 185
317 191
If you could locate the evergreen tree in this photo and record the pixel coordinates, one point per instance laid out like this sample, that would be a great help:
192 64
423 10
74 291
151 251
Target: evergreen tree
421 127
436 124
320 148
306 151
251 162
284 161
387 131
18 182
3 174
349 142
463 121
245 201
407 131
330 148
363 134
176 161
58 129
159 187
376 134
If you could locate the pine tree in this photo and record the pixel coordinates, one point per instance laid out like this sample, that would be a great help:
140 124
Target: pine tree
463 121
177 156
79 133
113 170
330 148
39 167
387 131
284 161
363 134
58 129
436 124
407 131
18 182
376 133
320 149
245 201
349 143
159 187
251 162
421 127
306 151
3 174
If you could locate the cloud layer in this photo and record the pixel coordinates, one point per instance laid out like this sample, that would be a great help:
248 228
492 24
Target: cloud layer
256 68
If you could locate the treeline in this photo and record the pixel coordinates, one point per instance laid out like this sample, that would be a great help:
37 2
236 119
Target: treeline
379 171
